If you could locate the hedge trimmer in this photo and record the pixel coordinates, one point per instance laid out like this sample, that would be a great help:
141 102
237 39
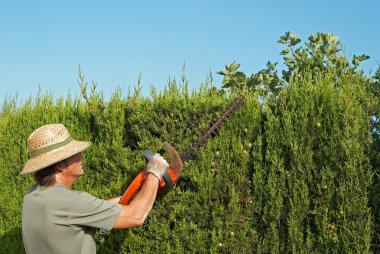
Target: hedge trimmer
176 161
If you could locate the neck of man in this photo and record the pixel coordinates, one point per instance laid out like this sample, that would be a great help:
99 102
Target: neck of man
67 181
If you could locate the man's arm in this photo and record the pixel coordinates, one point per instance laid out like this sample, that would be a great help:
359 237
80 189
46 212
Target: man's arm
135 213
114 200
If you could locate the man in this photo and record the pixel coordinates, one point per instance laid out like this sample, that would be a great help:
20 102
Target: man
56 219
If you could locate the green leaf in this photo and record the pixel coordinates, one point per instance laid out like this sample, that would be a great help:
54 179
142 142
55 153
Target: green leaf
363 57
285 51
233 67
293 36
271 66
313 38
294 42
284 39
357 59
355 62
298 56
223 72
335 39
289 59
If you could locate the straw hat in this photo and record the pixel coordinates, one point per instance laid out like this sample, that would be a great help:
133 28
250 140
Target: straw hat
50 144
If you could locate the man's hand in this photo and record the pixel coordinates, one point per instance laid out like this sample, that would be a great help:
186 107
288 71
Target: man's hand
157 166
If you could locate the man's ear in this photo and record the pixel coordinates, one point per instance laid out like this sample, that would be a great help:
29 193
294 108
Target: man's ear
60 166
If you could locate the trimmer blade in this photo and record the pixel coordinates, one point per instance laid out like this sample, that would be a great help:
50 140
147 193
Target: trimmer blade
175 160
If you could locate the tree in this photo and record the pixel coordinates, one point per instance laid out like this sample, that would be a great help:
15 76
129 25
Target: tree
322 53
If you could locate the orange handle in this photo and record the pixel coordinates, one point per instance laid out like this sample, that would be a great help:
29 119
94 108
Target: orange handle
138 182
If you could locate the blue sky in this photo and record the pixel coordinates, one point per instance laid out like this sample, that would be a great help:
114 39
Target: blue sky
42 43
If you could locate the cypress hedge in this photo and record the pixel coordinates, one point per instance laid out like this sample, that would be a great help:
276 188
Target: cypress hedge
287 173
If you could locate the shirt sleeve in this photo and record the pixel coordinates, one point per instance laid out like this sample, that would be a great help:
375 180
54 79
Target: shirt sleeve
87 210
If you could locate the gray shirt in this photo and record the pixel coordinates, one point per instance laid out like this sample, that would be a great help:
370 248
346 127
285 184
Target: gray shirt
59 220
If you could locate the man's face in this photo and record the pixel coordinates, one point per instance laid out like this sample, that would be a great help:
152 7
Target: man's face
74 165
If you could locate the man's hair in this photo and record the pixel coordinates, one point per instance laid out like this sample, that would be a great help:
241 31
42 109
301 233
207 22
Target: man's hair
46 176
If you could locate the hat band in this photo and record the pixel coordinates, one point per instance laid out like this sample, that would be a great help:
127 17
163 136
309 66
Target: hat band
50 148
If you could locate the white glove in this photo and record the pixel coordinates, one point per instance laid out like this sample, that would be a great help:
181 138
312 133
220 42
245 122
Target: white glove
157 166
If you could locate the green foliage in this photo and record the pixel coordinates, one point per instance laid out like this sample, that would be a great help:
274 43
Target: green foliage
322 53
321 56
297 172
233 79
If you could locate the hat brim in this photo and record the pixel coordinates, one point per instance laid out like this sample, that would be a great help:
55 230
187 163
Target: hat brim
47 159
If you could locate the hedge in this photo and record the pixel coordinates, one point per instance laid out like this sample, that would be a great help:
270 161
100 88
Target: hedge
287 173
